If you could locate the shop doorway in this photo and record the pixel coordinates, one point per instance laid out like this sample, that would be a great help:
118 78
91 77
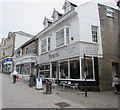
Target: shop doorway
55 70
115 69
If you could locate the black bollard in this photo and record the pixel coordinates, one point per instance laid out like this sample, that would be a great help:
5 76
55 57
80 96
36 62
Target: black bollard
48 87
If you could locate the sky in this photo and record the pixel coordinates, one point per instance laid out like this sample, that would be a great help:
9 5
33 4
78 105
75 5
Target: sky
28 15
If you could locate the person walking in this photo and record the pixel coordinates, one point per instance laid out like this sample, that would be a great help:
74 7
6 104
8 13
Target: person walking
116 82
14 74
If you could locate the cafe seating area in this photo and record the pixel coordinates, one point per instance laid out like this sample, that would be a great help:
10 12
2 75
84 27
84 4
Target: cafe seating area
69 85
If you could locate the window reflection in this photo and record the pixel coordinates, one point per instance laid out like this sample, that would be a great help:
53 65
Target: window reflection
74 69
89 66
64 70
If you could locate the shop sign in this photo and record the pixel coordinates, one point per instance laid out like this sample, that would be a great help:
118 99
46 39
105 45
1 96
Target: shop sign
70 50
7 60
53 55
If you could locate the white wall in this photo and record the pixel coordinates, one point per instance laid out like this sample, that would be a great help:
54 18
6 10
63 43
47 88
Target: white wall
80 26
89 15
20 39
72 22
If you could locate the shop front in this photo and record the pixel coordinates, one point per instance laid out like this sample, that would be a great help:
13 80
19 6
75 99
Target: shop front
7 65
67 64
24 64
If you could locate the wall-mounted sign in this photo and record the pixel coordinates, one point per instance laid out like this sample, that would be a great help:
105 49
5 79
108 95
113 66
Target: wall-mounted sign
53 55
70 50
7 60
18 51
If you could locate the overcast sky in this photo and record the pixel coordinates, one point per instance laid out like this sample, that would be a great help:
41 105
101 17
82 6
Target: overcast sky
28 15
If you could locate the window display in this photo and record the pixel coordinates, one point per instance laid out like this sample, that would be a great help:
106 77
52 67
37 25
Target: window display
74 69
64 70
89 66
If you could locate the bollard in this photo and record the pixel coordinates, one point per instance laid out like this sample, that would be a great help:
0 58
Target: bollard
48 87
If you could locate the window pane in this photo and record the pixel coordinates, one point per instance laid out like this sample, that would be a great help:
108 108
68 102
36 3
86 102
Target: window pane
48 44
43 45
67 35
27 68
94 33
75 69
45 70
54 70
22 69
17 68
89 66
64 70
60 38
110 12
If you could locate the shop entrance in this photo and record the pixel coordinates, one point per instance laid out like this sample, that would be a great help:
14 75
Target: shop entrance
55 71
115 69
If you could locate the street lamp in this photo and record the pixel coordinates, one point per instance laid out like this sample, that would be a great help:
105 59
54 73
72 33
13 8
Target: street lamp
85 75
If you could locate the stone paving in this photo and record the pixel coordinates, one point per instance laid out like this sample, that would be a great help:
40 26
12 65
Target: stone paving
20 95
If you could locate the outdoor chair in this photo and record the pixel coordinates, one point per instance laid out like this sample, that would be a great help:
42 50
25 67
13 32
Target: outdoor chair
75 86
54 83
69 84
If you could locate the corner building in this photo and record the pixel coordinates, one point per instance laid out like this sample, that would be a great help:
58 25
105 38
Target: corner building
63 43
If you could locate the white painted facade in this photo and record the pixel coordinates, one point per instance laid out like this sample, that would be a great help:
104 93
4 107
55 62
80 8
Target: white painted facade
20 39
88 15
79 21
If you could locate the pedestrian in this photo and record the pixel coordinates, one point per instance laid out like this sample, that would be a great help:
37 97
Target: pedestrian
14 74
116 83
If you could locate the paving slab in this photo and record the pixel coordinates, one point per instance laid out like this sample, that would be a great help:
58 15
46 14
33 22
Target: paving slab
20 95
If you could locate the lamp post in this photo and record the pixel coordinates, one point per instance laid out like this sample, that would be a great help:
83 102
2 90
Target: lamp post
85 70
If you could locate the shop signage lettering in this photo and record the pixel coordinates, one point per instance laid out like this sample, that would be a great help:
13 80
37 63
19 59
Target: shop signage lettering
53 55
70 50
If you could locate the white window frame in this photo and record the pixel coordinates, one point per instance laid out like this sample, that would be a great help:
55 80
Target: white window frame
65 36
110 12
95 35
81 78
47 44
43 45
67 60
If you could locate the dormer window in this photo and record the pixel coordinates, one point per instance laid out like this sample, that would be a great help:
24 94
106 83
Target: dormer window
47 22
68 6
56 15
